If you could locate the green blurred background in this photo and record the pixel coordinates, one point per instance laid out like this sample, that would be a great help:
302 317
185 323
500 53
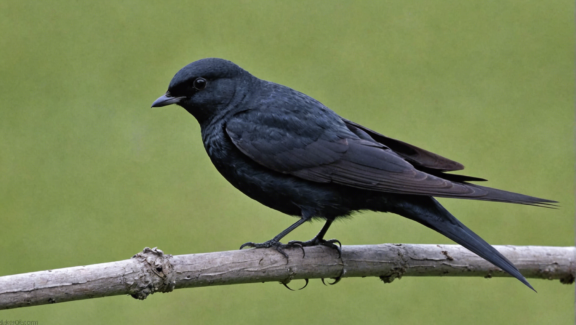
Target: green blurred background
89 173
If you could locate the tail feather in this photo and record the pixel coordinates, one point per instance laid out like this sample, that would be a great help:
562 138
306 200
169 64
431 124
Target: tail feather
432 215
496 195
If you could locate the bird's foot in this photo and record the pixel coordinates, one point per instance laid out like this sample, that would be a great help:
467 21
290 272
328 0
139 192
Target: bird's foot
278 246
331 243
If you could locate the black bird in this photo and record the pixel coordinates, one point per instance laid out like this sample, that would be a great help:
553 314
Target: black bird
291 153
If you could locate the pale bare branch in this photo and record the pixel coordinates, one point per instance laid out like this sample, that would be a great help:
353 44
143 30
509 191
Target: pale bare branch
153 271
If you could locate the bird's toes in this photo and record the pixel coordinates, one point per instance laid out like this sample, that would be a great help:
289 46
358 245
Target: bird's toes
279 247
267 244
248 244
316 241
332 244
297 243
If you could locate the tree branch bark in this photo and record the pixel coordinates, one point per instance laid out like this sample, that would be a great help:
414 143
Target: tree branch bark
153 271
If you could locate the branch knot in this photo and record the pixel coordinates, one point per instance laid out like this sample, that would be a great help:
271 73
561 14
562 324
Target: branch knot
157 273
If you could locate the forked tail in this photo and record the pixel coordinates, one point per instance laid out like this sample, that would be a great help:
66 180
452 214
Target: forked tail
430 213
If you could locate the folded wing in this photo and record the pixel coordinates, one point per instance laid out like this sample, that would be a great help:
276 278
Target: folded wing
328 149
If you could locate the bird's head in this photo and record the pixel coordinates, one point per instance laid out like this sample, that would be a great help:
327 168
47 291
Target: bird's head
205 87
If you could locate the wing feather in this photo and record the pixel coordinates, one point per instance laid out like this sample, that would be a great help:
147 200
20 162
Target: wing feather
333 152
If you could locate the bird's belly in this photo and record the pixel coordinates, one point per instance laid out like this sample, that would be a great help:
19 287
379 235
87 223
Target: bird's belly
275 190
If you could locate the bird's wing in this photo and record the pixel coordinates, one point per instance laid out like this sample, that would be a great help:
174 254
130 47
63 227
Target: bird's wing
321 148
416 156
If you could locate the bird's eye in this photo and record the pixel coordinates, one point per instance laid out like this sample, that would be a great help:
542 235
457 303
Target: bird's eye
199 83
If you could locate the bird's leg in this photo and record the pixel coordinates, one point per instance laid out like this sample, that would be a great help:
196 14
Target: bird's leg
275 242
319 240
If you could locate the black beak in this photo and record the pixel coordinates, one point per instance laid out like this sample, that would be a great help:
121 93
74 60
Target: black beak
166 100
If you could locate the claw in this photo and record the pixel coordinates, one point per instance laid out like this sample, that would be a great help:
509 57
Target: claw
330 243
336 279
296 243
339 277
280 250
287 287
305 285
248 244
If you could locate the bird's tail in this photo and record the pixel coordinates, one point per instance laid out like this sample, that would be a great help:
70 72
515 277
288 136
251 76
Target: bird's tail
429 212
496 195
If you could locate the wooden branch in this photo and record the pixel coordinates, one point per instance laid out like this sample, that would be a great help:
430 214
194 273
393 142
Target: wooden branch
153 271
